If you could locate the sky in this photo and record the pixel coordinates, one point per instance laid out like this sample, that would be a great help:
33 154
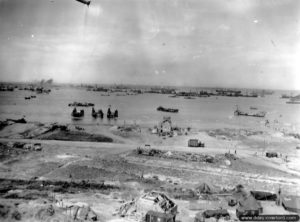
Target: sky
205 43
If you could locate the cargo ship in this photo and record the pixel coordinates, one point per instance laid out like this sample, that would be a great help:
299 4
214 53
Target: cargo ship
238 112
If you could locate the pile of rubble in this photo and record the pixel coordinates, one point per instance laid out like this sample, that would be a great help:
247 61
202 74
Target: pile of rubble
151 201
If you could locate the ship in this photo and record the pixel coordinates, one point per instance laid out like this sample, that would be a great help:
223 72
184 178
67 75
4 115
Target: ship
294 100
170 110
238 112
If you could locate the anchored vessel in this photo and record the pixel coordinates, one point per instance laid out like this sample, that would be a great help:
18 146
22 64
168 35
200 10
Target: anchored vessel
170 110
238 112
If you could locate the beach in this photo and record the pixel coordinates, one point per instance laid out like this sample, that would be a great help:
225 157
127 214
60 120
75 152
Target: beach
85 153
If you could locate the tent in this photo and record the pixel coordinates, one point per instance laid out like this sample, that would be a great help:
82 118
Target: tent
262 195
291 203
249 207
204 188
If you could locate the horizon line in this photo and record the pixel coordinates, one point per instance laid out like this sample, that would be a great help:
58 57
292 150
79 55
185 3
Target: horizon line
146 85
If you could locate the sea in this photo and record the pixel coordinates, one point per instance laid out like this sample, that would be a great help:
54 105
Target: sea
201 112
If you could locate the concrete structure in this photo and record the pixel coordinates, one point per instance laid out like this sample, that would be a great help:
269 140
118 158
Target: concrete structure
165 126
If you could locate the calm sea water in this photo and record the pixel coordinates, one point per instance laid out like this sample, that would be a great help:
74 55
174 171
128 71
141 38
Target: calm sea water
200 112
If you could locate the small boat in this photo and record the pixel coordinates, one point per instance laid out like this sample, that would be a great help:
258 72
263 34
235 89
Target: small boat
97 114
111 115
252 107
33 96
76 113
189 97
116 114
94 113
27 97
170 110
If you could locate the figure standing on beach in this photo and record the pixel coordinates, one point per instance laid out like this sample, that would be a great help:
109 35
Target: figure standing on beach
278 198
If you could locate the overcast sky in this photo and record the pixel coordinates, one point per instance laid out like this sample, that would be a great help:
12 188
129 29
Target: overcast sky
229 43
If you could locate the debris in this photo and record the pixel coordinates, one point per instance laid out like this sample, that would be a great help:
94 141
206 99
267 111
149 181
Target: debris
154 200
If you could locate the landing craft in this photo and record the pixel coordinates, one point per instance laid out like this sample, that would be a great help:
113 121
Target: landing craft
85 2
